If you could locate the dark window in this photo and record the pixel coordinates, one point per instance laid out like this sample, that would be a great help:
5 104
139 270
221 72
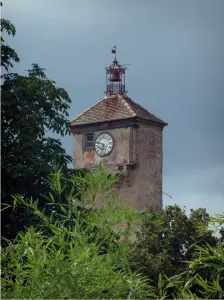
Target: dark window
89 140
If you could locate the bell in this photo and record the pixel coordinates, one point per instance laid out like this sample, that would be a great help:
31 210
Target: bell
115 75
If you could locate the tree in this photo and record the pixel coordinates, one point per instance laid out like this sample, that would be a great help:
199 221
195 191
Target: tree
7 53
203 275
166 240
32 108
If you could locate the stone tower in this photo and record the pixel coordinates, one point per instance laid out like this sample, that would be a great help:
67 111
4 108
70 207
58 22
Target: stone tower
126 137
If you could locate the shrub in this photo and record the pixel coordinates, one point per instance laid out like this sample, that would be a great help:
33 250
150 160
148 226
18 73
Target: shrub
75 253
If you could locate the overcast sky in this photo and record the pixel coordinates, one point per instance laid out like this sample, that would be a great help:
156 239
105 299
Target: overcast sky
176 52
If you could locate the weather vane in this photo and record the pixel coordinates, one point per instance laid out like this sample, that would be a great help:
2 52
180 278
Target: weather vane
114 51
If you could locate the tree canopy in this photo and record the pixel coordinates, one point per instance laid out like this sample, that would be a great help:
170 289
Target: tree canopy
165 240
8 55
32 108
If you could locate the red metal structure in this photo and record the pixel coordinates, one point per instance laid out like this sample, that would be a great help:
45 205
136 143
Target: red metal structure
115 77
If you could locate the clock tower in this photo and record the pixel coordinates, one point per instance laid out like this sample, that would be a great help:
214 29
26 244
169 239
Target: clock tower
126 137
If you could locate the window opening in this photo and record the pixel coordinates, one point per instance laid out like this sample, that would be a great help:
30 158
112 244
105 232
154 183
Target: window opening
89 140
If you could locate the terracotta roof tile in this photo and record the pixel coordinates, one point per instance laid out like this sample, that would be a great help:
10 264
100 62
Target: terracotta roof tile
115 107
143 113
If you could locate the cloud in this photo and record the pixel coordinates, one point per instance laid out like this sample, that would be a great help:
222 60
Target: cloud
69 17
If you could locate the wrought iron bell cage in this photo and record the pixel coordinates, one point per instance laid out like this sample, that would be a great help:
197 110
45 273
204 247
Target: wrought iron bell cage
115 78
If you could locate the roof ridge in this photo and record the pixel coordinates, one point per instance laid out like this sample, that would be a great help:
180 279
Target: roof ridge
128 107
81 114
143 108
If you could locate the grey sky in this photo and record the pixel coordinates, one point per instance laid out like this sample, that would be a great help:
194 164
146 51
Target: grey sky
175 49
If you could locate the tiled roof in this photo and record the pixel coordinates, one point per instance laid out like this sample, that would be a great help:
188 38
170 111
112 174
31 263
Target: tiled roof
115 107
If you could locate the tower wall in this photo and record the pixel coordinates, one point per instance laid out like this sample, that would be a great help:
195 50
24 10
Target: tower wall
138 149
142 186
87 158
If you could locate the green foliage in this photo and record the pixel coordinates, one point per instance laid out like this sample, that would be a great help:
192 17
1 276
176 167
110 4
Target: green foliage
164 242
203 276
7 53
78 251
181 254
32 107
66 260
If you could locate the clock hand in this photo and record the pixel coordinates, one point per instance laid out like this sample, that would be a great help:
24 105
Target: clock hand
101 146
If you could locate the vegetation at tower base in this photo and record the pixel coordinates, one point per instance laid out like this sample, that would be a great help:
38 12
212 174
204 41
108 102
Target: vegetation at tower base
32 106
80 253
76 255
180 253
164 242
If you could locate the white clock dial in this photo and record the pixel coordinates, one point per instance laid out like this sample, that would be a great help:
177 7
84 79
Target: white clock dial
104 144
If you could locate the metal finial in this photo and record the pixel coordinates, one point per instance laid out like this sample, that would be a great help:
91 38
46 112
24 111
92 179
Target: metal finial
114 51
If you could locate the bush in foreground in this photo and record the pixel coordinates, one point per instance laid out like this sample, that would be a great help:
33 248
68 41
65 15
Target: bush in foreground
75 254
79 252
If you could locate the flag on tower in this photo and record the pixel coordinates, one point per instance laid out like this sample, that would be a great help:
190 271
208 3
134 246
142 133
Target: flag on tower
113 50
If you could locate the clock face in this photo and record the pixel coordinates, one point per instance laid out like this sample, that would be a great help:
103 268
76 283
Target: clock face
104 144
